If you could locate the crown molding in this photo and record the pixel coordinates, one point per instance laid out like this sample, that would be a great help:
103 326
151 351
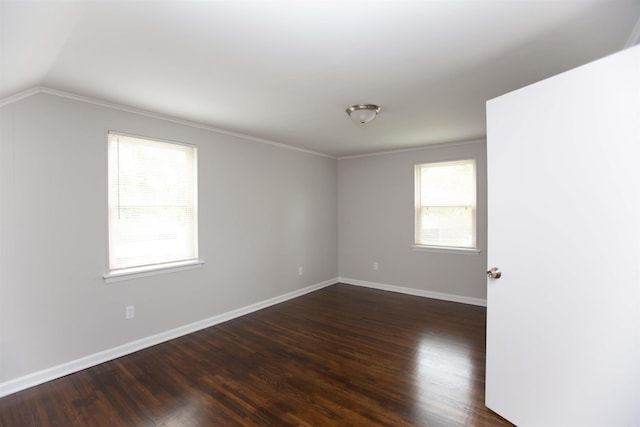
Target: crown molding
20 95
62 94
419 148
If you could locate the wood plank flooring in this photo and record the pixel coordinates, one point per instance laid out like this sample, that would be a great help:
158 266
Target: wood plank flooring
340 356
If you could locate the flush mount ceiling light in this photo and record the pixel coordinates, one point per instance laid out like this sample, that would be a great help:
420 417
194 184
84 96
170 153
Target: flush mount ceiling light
363 113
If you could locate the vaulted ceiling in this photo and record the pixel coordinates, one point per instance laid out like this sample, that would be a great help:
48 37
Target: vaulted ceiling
285 70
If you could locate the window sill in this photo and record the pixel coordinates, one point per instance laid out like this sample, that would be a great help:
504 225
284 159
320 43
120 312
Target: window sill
153 270
445 250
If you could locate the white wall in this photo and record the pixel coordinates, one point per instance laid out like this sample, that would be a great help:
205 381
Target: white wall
264 211
376 224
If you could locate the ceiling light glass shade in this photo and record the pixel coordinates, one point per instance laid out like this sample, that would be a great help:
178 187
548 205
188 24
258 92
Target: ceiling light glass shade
363 113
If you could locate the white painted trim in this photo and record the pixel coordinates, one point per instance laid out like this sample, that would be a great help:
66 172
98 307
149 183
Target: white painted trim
42 89
36 378
101 103
422 147
19 96
153 270
445 250
415 292
634 37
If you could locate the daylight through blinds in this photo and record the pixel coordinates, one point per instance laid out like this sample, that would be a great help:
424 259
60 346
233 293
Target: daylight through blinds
446 204
152 202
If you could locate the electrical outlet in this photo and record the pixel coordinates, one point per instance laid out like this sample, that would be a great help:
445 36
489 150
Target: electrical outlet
300 271
130 312
375 265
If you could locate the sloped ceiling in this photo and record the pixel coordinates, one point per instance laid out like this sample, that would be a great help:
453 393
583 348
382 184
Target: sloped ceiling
285 71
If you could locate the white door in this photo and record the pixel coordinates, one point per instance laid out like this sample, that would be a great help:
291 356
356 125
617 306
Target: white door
563 321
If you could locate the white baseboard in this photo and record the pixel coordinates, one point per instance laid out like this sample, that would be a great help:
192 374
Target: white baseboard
40 377
415 292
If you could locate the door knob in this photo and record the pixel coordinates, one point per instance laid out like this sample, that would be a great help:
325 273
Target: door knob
494 273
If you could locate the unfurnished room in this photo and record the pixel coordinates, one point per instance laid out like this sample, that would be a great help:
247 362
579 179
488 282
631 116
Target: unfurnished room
320 213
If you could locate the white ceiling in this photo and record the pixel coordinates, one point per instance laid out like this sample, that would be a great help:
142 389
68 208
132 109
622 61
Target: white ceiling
285 71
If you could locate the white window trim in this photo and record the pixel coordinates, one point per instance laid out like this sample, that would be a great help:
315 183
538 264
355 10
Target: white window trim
118 275
151 270
446 249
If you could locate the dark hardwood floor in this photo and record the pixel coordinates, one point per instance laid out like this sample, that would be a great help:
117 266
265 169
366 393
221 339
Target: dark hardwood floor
340 356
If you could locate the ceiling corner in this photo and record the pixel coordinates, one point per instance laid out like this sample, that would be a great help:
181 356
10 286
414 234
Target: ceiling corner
634 37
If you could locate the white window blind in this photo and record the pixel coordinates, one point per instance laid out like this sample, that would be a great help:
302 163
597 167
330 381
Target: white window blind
152 202
446 204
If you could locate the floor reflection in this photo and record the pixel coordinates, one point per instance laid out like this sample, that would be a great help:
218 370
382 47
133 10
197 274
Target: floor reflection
444 379
189 412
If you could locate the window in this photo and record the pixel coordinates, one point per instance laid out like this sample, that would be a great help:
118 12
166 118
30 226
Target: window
446 204
152 204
